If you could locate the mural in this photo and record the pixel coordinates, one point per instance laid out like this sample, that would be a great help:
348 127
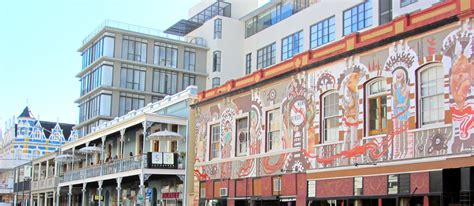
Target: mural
299 102
458 53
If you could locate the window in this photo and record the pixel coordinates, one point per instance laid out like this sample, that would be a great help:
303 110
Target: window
330 117
215 142
95 106
100 76
173 146
323 32
166 55
216 61
134 49
216 81
377 107
291 45
189 59
129 102
165 82
251 27
273 130
132 77
406 2
188 80
266 56
103 47
248 63
385 11
358 17
431 92
242 136
217 28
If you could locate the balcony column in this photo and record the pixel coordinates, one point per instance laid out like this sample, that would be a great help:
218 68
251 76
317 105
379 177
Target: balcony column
47 169
46 198
119 190
69 196
72 162
102 153
100 192
39 172
122 139
87 156
142 187
84 194
145 125
58 194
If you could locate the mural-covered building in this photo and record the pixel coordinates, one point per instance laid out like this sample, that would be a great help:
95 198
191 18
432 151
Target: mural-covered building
384 116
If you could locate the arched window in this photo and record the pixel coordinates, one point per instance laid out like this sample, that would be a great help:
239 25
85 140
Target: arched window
330 111
431 94
376 106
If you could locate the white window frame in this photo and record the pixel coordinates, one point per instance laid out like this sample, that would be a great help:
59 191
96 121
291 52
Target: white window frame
420 97
368 96
275 110
212 141
238 144
323 117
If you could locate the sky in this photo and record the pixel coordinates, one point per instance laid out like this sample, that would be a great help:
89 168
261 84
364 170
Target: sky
39 41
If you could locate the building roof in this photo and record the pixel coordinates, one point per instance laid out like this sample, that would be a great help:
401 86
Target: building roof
48 127
26 113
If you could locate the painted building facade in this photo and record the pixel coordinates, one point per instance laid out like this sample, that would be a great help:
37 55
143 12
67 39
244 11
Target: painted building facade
26 138
380 117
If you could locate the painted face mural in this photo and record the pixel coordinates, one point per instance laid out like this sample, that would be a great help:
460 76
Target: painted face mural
457 59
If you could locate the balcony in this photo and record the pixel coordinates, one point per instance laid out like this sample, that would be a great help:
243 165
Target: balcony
43 184
118 166
6 189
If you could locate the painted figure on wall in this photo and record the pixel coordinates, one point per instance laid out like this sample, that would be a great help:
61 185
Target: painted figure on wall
401 105
458 56
350 105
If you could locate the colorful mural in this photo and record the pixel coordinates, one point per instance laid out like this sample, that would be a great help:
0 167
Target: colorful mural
458 54
300 145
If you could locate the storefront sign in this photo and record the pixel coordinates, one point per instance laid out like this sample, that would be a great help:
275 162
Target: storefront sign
156 158
170 195
311 188
96 198
162 160
392 184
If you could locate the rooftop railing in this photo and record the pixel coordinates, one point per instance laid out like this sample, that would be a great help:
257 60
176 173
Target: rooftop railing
142 30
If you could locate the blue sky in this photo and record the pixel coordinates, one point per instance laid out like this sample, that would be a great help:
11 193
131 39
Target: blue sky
39 42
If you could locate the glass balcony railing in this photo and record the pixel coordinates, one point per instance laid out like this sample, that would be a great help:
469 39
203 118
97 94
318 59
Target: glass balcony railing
142 30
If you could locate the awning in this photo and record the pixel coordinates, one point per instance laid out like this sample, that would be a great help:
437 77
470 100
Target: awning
165 136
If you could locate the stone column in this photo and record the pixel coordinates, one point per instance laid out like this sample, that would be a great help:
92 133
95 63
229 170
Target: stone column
39 171
100 192
87 157
47 169
69 196
119 190
84 199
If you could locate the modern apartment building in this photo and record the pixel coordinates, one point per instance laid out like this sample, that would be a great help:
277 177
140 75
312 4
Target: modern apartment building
244 37
375 107
139 158
125 67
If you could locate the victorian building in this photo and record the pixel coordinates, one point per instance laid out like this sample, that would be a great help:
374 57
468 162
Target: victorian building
26 138
375 108
137 158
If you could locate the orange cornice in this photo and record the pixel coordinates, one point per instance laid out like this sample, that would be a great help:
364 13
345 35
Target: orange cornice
403 24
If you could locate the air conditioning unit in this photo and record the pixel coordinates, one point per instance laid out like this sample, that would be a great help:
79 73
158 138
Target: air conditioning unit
277 184
203 193
224 192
